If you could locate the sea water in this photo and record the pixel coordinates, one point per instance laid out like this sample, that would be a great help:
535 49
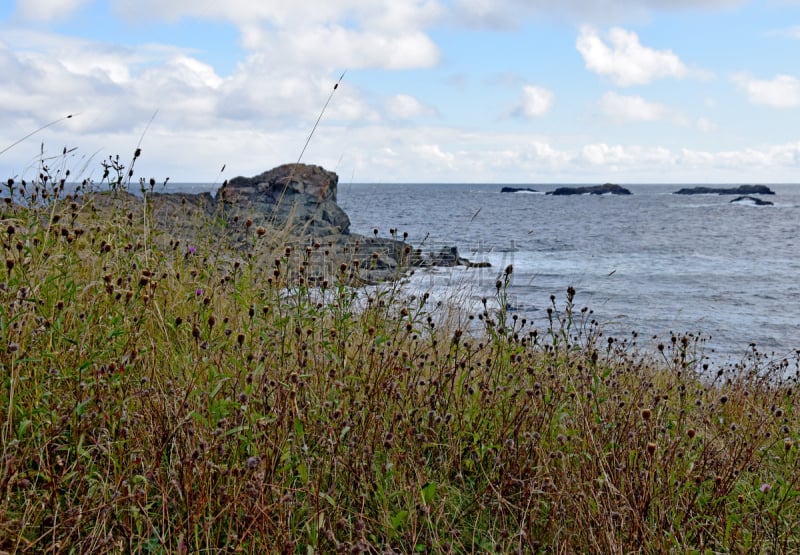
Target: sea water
651 262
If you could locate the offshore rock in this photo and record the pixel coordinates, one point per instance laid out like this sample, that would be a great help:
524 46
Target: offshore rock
605 189
755 201
518 190
740 190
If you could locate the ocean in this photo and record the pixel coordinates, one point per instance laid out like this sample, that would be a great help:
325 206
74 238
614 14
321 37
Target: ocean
653 262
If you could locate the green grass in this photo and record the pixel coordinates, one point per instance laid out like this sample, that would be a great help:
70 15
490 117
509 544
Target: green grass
166 397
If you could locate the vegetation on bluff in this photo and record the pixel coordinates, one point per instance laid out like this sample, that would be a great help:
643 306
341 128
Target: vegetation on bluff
165 396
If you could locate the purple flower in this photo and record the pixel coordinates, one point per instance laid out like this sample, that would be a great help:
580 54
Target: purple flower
765 488
191 249
199 292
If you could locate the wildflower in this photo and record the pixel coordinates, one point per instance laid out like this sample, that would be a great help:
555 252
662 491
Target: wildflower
192 249
199 292
765 487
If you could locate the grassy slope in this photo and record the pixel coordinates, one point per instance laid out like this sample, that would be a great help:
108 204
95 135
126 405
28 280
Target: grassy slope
163 397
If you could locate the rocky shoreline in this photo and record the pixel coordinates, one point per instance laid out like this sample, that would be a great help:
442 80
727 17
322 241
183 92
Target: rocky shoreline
292 205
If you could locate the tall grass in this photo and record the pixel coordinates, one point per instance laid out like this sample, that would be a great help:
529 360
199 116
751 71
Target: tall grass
160 396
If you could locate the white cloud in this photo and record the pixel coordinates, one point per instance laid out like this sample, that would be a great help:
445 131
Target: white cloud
115 88
355 34
626 61
384 15
434 153
108 87
404 106
631 108
764 159
535 102
602 154
49 10
506 14
781 92
339 47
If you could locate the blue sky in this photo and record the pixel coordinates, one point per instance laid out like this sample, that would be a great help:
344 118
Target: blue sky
513 91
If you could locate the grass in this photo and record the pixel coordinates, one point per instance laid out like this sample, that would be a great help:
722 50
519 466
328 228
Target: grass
160 396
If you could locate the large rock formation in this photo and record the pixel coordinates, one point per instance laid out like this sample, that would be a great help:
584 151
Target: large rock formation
605 189
290 205
299 198
740 190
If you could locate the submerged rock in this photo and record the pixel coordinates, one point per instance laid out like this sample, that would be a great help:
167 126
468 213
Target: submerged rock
740 190
518 190
752 200
605 189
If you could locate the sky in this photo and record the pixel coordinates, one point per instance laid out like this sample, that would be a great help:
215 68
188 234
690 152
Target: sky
476 91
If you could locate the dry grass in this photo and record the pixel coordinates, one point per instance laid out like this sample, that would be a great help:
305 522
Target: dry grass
165 397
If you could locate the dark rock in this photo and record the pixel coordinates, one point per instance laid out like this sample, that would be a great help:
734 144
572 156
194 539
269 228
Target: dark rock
518 190
605 189
740 190
298 198
752 200
445 257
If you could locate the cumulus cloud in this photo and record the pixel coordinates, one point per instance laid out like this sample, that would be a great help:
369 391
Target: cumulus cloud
108 87
337 46
381 14
783 91
435 154
631 108
384 34
625 60
535 102
506 14
602 154
404 106
48 10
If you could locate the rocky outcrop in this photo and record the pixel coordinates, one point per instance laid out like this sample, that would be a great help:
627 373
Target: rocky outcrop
605 189
752 200
740 190
298 198
518 190
290 205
